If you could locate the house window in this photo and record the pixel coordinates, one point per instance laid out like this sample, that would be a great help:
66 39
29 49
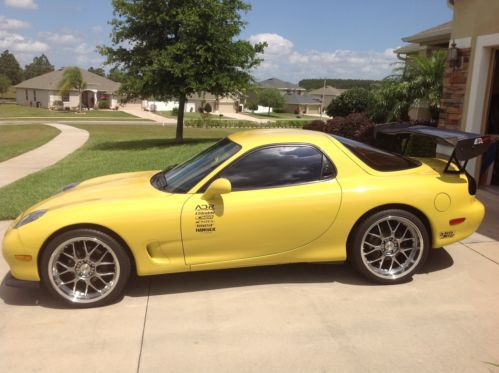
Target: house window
26 94
65 97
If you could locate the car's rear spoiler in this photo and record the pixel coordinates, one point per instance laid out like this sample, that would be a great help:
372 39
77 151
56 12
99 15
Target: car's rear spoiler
465 145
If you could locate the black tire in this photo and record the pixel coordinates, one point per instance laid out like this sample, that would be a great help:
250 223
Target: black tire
57 269
366 251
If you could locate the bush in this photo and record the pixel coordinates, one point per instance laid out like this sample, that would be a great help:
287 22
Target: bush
174 111
216 123
355 100
103 104
207 108
315 125
356 126
252 106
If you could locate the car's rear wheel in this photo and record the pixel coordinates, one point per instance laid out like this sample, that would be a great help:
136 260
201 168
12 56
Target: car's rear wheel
389 246
85 268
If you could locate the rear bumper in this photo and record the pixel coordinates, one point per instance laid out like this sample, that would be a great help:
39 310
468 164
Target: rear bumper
11 281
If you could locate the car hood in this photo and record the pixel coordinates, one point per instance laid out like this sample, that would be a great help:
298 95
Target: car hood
131 185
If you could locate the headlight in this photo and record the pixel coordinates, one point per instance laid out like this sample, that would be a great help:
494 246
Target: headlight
30 217
69 186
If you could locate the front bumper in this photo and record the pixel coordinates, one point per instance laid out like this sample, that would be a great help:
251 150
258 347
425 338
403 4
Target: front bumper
11 281
13 245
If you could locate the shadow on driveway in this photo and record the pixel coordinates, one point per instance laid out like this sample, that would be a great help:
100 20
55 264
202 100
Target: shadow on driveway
176 283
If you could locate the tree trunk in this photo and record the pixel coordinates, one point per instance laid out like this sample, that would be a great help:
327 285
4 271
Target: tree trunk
79 93
179 139
268 112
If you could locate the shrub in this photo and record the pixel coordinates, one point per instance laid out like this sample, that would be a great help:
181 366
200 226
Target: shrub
216 123
207 108
355 100
174 111
252 106
356 126
103 104
315 125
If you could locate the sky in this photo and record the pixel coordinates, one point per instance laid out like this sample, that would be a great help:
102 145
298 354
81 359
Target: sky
351 39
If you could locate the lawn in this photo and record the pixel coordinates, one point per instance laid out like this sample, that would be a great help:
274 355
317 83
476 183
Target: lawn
18 139
192 116
282 116
131 148
19 111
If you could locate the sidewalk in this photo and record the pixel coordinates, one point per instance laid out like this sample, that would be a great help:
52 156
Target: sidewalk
69 139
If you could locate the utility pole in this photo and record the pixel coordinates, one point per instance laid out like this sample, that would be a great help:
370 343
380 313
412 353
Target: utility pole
322 101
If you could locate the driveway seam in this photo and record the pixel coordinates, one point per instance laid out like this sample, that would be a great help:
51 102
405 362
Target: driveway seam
479 253
144 324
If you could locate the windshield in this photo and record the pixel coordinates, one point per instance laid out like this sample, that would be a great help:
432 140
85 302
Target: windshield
378 159
183 177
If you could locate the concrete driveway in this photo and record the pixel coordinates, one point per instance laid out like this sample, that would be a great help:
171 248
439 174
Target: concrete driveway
294 318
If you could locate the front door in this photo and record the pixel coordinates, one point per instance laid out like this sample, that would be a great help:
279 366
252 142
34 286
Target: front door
283 197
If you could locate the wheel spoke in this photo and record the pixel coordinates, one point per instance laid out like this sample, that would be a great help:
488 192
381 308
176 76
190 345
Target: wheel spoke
392 232
85 283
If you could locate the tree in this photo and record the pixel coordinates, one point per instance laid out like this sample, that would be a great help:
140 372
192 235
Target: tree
10 67
173 49
271 98
355 100
40 65
4 83
420 79
116 75
72 79
98 70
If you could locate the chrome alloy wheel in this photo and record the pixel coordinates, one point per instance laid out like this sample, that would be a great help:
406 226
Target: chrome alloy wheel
83 269
392 247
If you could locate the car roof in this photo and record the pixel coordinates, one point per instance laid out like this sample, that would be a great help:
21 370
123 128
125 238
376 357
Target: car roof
272 136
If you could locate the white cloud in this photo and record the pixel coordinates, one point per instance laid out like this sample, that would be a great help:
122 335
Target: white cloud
63 37
25 4
281 60
12 24
18 43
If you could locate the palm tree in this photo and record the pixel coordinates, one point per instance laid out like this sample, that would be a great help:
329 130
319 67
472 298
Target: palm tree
420 79
72 79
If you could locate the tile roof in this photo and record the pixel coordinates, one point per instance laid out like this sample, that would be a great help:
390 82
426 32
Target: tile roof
329 91
439 32
302 99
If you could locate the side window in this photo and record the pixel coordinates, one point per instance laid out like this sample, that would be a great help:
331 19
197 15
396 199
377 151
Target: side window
278 166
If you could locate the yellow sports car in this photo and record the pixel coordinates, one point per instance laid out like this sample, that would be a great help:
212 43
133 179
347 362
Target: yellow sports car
255 198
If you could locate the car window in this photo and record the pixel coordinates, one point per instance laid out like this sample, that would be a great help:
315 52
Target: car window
278 166
378 159
183 177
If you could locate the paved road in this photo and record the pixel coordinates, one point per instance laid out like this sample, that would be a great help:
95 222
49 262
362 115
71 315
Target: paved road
295 318
66 142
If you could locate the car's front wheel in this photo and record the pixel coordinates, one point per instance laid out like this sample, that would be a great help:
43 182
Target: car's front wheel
85 268
389 246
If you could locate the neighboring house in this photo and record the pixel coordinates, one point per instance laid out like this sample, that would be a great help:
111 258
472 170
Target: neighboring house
219 105
297 98
42 91
470 100
328 93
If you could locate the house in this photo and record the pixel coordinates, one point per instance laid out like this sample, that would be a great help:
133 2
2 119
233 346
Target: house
298 101
42 91
219 105
327 93
470 99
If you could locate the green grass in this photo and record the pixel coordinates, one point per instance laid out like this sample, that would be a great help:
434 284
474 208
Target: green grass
192 116
19 111
18 139
282 116
108 151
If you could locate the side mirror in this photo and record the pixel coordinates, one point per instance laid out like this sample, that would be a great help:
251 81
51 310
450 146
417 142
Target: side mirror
217 188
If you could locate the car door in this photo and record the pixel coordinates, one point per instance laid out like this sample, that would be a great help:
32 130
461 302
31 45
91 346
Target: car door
283 197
